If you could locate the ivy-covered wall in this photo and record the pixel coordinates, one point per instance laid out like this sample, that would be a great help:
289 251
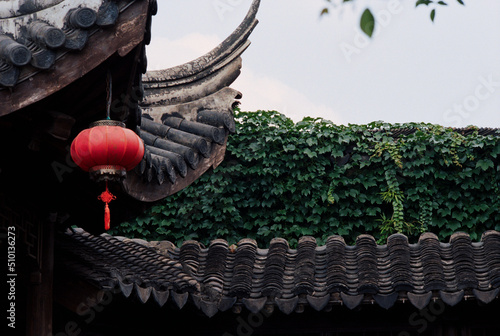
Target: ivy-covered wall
281 179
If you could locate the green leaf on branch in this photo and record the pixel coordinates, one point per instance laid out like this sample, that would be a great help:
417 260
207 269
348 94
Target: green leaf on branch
423 2
367 22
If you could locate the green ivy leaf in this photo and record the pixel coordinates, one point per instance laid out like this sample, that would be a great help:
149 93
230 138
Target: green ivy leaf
485 164
310 153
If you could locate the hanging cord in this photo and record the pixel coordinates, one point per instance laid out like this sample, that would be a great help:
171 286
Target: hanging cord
109 89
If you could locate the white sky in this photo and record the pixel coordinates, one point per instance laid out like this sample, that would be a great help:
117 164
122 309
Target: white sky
446 72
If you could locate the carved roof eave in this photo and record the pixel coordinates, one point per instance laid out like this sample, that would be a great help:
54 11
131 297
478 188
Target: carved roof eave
123 35
187 115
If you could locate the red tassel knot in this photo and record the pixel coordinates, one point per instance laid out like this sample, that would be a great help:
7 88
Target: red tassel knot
106 197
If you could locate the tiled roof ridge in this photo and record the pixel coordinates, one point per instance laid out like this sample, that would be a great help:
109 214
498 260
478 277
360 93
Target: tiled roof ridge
404 130
422 236
223 276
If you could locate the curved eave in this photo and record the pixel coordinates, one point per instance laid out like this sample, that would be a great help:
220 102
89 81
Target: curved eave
194 70
36 84
187 117
182 141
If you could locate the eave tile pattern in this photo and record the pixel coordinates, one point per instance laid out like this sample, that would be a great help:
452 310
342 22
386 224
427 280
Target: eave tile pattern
177 145
221 277
34 37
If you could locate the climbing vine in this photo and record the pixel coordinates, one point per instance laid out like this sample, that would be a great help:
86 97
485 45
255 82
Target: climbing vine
281 178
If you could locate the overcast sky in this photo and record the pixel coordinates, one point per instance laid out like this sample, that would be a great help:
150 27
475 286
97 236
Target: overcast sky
301 64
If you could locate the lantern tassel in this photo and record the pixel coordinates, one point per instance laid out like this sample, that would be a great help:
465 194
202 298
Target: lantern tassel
107 217
106 197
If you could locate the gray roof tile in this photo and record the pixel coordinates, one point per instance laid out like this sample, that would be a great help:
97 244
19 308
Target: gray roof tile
220 277
34 40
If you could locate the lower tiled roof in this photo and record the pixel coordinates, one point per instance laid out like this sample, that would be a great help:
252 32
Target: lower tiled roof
222 276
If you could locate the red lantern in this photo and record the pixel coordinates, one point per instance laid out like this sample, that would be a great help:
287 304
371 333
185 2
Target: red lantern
107 150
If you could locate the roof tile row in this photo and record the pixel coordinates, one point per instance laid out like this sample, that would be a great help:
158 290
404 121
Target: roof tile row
39 44
177 144
221 277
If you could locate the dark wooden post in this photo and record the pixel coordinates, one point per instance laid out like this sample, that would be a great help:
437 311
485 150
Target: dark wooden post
39 307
